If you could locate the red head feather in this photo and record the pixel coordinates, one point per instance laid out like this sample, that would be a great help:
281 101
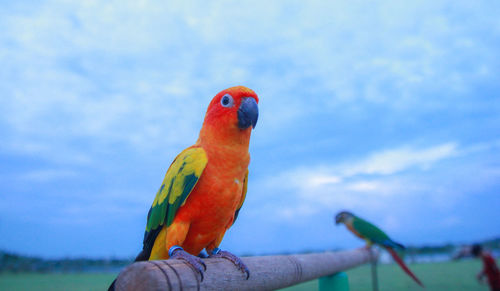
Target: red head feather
230 116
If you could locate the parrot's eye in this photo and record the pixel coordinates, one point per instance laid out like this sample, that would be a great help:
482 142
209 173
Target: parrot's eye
227 100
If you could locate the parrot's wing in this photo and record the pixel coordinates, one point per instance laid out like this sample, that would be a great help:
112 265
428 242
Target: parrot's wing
392 244
369 231
244 195
181 178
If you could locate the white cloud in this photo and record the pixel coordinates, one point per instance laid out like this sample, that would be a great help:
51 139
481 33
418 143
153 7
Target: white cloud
396 160
386 162
394 182
363 184
83 80
125 71
315 181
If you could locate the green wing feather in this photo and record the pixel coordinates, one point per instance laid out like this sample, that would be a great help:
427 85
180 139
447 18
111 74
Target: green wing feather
181 177
369 230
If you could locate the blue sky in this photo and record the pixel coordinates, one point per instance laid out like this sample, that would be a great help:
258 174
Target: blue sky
388 109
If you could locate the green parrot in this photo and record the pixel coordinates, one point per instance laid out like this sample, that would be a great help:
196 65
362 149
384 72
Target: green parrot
374 235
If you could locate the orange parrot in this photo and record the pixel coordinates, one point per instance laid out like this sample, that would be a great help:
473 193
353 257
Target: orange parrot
205 186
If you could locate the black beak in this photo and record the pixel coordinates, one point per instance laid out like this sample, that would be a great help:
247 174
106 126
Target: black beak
338 219
248 113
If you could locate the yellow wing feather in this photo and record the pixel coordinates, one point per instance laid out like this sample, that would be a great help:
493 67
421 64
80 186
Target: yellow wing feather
178 183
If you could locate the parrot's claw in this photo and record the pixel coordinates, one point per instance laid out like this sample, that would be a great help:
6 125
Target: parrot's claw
194 262
218 253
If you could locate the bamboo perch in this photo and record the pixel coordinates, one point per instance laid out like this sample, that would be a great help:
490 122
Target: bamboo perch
266 273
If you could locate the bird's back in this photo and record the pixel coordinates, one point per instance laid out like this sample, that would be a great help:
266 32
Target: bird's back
369 231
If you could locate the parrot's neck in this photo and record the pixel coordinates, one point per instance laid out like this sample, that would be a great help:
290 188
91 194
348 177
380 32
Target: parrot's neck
224 139
226 150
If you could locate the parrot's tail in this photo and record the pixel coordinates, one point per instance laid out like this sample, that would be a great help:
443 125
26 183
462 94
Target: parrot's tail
112 286
142 256
403 266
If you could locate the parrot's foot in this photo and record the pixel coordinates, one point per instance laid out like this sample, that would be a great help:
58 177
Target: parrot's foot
218 253
176 252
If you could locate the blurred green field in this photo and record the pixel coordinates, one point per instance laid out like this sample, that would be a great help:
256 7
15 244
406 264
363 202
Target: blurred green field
55 282
456 276
436 276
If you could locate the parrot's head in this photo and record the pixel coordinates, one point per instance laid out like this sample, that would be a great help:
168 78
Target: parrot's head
343 217
233 112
